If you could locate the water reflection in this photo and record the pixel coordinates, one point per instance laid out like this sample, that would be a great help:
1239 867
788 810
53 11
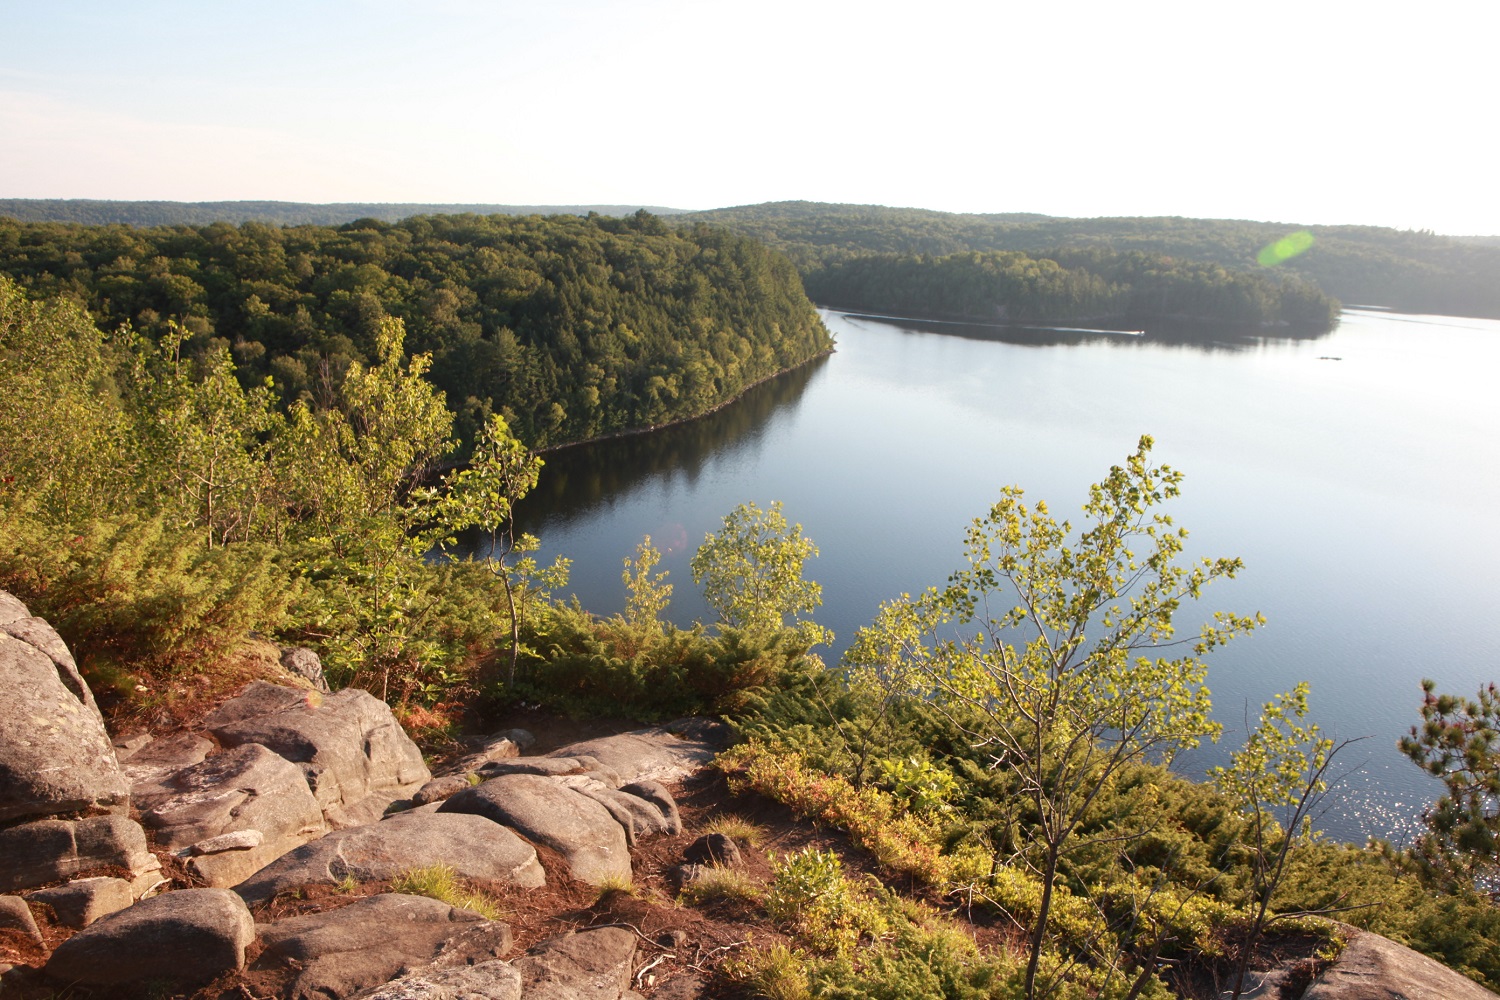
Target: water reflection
579 479
1160 332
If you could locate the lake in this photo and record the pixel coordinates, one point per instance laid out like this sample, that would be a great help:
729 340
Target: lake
1356 474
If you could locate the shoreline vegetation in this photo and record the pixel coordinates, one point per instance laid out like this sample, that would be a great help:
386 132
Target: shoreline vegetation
638 431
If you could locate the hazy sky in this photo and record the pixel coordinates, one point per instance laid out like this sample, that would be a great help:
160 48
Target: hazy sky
1306 111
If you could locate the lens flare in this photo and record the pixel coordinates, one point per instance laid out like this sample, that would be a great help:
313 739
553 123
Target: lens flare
1285 249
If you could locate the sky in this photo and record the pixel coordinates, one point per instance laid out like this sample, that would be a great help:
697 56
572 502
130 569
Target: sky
1312 112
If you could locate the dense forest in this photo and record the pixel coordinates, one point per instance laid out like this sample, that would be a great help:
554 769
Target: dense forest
569 327
97 212
1092 285
1369 265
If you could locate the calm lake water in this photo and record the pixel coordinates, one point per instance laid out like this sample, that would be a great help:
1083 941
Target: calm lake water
1356 474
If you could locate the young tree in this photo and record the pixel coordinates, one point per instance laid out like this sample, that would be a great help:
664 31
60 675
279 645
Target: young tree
1076 669
346 472
751 572
483 495
1459 742
649 592
63 434
1277 778
204 441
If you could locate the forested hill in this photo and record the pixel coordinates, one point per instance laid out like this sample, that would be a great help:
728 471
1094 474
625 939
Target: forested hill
1411 271
572 327
96 212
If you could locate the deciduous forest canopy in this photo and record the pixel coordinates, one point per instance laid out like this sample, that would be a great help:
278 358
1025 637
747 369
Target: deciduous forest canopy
571 327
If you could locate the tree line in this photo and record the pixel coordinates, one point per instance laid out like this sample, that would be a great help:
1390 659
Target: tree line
1092 285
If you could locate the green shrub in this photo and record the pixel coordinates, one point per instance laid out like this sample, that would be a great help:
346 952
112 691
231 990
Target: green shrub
129 591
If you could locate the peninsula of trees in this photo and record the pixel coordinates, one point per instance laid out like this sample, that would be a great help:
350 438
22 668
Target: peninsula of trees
570 327
1367 265
1095 285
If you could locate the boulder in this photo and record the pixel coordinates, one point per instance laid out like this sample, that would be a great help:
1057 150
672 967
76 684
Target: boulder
483 749
682 986
656 793
1377 968
247 789
11 608
554 767
484 981
339 952
55 756
546 812
439 789
239 840
589 965
15 915
474 846
49 850
683 876
305 663
188 936
356 758
655 754
714 849
148 767
127 746
83 901
636 816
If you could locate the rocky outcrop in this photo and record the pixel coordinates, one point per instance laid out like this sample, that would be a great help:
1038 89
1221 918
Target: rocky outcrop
714 849
655 754
81 902
484 981
548 812
303 662
339 952
55 756
15 915
189 936
46 850
439 789
149 766
1375 968
245 790
551 767
638 817
356 758
475 847
589 965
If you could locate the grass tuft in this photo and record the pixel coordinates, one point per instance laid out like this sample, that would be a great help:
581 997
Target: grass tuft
717 884
441 882
777 974
736 827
